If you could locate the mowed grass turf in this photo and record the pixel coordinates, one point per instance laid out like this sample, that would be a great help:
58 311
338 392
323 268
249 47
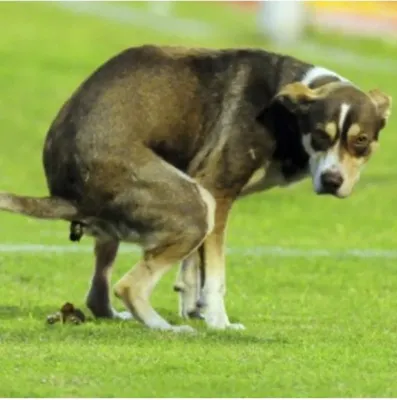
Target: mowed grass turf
316 326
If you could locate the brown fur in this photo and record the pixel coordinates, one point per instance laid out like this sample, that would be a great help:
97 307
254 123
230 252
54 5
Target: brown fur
157 144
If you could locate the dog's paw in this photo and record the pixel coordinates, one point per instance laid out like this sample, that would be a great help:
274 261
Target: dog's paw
195 314
216 323
216 318
182 329
220 321
235 327
122 315
173 328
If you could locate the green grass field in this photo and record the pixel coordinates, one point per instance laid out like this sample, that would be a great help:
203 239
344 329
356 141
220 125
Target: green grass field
316 325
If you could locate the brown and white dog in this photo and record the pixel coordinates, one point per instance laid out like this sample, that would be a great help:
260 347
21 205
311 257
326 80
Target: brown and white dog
157 144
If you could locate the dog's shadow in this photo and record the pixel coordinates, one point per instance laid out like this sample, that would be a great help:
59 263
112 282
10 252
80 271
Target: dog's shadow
203 334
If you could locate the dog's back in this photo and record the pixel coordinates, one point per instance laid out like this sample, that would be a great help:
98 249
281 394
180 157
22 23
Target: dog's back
169 98
143 94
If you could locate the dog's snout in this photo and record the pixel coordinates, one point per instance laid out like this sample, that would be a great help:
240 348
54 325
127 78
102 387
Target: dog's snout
331 181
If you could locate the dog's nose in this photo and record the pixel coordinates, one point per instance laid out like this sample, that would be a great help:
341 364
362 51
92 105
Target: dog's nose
331 181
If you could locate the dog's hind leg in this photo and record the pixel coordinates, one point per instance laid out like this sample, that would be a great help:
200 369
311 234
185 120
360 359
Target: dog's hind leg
98 300
135 287
177 243
173 215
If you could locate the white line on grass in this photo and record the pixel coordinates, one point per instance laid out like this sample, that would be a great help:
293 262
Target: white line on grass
184 27
258 251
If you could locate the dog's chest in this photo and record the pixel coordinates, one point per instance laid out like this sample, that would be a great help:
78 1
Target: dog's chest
272 175
289 163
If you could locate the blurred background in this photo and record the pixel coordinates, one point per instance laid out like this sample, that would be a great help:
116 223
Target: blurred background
48 48
313 278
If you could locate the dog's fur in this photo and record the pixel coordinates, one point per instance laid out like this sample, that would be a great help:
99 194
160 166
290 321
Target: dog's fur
156 145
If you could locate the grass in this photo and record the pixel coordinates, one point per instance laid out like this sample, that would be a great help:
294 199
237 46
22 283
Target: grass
316 326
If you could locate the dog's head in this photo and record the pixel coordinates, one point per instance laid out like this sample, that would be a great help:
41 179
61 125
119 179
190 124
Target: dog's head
340 127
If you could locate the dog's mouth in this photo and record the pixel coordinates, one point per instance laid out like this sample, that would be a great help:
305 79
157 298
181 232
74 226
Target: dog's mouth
340 192
336 194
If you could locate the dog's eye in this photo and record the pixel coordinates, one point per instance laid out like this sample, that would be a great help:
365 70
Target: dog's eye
320 140
361 140
360 145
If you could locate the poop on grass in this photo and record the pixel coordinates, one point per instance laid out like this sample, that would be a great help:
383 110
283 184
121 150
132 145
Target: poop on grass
67 314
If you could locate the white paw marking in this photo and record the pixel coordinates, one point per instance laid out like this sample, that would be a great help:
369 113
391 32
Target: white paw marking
182 329
123 315
175 328
216 320
236 327
215 314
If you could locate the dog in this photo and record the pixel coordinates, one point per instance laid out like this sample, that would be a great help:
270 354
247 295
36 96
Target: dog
158 143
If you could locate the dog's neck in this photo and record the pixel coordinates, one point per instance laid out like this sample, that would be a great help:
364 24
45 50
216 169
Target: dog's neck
316 77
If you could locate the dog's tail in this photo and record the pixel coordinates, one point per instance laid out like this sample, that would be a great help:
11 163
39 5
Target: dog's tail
39 207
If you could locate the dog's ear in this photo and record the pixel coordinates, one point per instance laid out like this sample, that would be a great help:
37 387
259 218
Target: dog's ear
383 105
295 97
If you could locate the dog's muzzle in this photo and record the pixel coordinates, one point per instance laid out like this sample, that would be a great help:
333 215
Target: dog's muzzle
331 181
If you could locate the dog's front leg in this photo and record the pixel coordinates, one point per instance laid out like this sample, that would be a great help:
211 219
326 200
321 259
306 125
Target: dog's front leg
188 285
214 288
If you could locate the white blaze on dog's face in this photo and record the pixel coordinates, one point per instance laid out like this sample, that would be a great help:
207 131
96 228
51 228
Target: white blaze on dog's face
340 127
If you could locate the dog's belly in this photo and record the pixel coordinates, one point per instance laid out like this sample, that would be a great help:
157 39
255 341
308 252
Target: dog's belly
270 176
110 230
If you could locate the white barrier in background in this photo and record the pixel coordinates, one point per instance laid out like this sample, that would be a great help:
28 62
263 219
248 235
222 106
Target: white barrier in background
282 21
